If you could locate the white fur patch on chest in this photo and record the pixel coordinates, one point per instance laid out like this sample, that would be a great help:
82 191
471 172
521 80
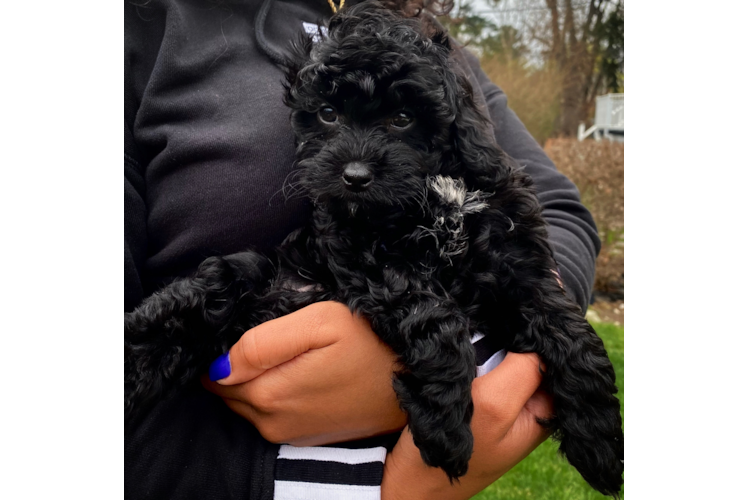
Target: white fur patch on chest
454 192
455 202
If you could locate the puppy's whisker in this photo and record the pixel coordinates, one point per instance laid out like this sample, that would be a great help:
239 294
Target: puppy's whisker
352 208
421 200
291 190
287 187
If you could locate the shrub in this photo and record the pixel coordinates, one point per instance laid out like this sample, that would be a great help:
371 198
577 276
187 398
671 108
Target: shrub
533 93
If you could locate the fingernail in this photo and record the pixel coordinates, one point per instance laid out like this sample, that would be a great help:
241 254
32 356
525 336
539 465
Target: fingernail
220 368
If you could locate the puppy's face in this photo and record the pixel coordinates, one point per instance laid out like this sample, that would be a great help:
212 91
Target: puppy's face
370 112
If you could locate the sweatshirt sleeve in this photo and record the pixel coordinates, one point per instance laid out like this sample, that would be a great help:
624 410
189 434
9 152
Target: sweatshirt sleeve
571 229
140 49
135 225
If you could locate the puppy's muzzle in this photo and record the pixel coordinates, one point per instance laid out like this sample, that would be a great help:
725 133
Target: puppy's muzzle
357 176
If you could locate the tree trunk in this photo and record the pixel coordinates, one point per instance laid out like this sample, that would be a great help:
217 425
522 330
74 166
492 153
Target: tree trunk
580 46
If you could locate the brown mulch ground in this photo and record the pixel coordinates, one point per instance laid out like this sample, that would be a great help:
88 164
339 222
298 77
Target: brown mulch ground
606 311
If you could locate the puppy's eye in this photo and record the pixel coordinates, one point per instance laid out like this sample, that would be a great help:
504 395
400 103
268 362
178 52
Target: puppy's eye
402 120
327 115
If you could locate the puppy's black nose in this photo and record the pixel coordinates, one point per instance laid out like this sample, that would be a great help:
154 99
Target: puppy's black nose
357 176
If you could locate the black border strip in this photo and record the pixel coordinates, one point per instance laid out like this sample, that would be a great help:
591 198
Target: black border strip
313 471
483 351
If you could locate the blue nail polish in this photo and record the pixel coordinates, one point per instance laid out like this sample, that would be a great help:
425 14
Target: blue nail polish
220 368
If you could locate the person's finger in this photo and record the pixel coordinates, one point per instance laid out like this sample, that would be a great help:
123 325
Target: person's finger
243 409
277 341
523 437
540 405
236 392
510 385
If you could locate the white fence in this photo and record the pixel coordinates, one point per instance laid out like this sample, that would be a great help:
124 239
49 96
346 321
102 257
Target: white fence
608 119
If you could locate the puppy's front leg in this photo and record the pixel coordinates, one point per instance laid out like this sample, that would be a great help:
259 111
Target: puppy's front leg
434 387
581 379
172 336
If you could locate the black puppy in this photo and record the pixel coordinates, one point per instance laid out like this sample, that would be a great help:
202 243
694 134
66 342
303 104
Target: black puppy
422 225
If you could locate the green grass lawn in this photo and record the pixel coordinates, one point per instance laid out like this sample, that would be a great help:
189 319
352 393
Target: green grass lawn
544 475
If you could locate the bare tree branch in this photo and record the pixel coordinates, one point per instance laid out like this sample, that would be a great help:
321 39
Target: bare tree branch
556 49
569 32
594 10
592 93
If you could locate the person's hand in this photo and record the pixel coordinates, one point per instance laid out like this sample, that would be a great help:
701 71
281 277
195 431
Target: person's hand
316 376
507 402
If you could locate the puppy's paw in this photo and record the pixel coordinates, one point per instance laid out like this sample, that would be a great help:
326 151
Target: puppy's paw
450 451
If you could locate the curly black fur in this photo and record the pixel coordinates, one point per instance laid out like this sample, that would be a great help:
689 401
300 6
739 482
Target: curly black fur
421 224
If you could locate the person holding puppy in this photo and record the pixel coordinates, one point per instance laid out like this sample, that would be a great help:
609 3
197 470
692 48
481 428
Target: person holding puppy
208 148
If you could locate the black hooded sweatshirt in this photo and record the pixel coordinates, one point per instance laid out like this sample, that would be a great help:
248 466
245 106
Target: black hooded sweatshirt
208 146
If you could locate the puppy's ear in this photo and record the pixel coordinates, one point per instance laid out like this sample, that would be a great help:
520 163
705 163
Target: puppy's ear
430 29
477 157
441 37
295 59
